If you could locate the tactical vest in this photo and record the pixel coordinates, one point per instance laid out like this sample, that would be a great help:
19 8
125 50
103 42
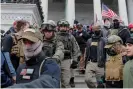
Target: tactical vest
17 48
113 32
66 40
114 68
49 48
27 74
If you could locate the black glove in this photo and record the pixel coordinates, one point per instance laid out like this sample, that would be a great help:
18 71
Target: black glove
74 64
101 64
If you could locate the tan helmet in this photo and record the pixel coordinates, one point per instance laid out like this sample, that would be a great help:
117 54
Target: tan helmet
113 39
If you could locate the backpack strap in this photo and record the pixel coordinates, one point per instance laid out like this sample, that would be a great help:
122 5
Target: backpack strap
14 39
41 66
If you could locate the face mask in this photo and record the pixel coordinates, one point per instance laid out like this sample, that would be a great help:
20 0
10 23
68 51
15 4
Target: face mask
111 52
97 33
107 24
32 50
116 25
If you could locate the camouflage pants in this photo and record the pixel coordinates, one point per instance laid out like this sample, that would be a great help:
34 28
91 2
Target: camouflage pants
65 73
93 74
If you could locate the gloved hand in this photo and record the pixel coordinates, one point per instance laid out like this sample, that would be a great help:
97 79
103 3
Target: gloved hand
74 64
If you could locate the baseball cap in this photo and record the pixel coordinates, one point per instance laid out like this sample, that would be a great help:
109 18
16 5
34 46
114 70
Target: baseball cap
32 35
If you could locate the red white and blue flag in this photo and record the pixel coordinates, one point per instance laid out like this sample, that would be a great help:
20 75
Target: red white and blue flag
106 12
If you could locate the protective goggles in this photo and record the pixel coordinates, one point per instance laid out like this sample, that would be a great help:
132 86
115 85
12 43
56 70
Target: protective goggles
48 27
63 25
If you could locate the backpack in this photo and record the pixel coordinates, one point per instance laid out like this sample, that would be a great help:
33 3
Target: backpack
52 69
114 68
17 48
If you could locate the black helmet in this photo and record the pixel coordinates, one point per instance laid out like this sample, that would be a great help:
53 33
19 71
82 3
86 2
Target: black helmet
62 23
50 26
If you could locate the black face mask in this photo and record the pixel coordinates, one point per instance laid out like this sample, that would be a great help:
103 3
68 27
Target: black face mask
97 33
111 52
116 25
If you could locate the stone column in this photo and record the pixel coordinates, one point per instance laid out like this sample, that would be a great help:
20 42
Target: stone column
45 9
97 10
130 10
70 11
123 11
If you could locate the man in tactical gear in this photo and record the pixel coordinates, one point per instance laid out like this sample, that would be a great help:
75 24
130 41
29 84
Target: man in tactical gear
51 46
115 62
119 29
13 45
37 71
71 52
95 58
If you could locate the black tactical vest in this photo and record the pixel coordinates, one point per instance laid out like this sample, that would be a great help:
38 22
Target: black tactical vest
37 69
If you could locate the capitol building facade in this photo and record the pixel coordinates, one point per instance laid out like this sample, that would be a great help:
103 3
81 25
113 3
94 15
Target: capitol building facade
81 10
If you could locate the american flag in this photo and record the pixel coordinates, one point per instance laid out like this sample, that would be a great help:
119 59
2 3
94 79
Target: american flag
106 12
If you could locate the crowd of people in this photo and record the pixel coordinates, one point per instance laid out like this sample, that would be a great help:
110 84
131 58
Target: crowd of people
46 57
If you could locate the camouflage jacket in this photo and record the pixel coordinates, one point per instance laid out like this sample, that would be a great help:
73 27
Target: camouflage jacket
70 45
53 48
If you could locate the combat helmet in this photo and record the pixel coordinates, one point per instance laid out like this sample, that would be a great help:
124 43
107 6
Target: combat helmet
62 23
113 39
50 26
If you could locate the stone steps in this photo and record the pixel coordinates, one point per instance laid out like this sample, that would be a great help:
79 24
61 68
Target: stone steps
79 80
